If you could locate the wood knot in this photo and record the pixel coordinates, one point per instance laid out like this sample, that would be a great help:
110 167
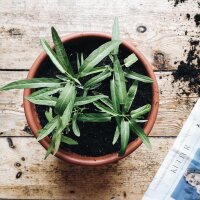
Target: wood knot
159 60
141 29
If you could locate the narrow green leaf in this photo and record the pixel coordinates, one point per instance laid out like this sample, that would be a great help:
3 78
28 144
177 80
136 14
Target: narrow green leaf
44 92
107 102
32 83
115 34
57 142
49 114
130 96
140 121
75 127
113 91
66 117
48 128
124 134
88 99
140 133
55 60
140 111
119 81
51 146
105 109
95 86
52 55
97 79
131 59
82 59
63 78
68 140
98 55
139 77
45 101
78 62
64 98
116 136
60 51
95 70
94 117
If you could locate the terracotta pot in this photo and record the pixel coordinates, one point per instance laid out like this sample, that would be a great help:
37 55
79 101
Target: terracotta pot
71 157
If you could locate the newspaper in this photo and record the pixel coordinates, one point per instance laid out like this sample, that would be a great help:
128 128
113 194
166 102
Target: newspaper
179 175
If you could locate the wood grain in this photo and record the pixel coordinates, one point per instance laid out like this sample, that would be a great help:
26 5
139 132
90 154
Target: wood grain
172 112
23 22
54 179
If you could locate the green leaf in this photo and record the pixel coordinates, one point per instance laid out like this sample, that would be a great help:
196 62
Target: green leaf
68 140
44 92
64 98
52 55
78 62
105 109
140 133
95 86
57 142
96 70
49 114
63 78
106 101
45 101
140 111
119 81
124 134
113 91
60 51
130 96
94 117
66 117
116 136
97 79
51 146
82 59
131 59
55 60
115 34
138 77
88 99
98 55
48 128
32 83
75 127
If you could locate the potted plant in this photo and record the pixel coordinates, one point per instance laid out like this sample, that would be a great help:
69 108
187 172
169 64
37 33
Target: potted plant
90 99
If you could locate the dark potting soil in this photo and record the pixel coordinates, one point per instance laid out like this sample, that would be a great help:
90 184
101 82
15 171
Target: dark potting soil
96 138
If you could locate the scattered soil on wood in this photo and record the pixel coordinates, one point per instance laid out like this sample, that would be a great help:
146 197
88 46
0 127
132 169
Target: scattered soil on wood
188 70
96 138
176 2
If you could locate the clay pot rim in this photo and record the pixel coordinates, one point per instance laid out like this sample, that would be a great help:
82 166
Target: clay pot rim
74 158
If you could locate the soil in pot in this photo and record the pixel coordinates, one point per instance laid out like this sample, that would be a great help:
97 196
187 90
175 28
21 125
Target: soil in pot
96 138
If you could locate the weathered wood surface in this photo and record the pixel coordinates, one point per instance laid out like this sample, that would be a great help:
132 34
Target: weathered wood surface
54 179
22 23
171 106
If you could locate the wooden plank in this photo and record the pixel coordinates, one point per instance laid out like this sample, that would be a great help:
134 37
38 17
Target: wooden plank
23 22
54 179
173 110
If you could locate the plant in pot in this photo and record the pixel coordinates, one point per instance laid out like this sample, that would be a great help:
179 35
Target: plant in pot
90 99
